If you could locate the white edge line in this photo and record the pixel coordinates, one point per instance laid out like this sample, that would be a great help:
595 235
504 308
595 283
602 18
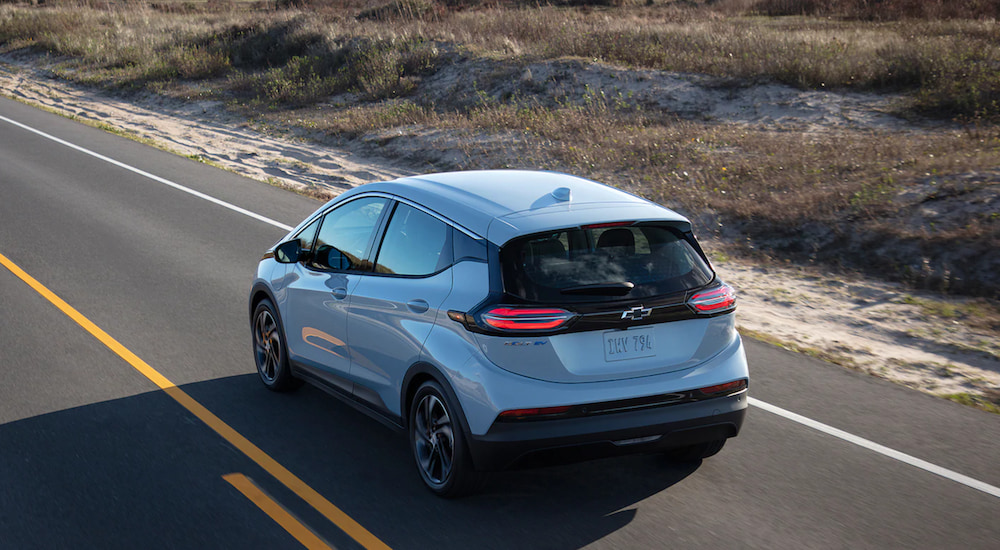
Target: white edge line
153 177
819 426
881 449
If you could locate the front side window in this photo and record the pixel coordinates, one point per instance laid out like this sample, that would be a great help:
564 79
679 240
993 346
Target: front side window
305 240
345 233
599 264
308 235
415 243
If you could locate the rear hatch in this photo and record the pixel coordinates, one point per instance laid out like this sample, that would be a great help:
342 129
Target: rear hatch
605 302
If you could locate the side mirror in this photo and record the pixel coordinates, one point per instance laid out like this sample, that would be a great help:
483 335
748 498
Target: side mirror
287 252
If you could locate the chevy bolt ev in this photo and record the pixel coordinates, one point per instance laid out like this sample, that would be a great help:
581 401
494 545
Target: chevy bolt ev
506 319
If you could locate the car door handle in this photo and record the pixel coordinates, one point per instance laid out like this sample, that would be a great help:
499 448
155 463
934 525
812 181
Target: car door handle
418 306
339 293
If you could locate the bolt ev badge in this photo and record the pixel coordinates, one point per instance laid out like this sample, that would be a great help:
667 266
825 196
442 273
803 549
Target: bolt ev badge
637 313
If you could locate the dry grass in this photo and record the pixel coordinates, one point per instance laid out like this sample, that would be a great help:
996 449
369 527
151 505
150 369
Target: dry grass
772 178
285 65
948 65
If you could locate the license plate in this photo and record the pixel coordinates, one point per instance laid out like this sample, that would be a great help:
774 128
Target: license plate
620 345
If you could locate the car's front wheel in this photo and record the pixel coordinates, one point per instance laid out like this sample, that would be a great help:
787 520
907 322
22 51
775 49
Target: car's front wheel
438 444
269 349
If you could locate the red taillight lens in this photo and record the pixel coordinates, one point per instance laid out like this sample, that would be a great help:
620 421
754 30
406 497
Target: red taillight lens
727 388
518 318
719 299
522 414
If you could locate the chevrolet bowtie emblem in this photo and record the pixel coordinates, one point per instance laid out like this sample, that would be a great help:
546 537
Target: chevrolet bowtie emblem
636 313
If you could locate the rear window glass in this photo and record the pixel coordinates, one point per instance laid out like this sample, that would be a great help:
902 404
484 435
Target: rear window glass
584 265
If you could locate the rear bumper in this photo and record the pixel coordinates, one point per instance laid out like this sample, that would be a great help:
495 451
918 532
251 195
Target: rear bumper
509 445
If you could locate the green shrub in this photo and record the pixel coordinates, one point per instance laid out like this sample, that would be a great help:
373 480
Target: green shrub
265 44
379 69
299 82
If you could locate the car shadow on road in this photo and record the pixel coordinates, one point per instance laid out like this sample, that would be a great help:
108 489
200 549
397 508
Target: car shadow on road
141 471
365 468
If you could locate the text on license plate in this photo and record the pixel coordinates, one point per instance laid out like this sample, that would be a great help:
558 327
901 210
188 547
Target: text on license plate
629 344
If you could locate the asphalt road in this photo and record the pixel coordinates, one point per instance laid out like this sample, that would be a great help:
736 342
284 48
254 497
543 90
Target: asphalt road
93 454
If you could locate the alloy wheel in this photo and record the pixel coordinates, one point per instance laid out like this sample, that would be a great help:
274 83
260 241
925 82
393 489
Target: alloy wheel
434 440
267 345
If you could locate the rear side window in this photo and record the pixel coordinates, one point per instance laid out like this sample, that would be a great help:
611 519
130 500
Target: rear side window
600 264
467 248
415 243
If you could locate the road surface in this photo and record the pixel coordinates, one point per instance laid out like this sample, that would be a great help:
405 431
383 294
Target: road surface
94 453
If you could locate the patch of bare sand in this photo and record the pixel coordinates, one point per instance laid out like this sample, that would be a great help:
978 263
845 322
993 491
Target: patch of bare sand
924 341
873 326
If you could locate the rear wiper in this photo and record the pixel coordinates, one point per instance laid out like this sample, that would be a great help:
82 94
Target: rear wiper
601 289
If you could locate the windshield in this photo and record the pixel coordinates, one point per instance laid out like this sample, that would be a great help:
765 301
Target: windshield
602 263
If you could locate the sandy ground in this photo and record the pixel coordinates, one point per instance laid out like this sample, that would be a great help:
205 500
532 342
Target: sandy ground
692 96
873 326
202 130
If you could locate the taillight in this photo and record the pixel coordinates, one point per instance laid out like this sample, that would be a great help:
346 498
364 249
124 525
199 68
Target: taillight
717 300
727 388
525 318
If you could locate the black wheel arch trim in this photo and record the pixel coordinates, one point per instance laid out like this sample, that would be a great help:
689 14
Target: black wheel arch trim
258 288
423 368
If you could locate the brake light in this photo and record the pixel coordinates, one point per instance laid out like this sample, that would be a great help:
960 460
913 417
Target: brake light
727 388
518 318
717 300
604 225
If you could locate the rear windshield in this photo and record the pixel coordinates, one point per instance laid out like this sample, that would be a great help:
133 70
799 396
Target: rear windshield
602 264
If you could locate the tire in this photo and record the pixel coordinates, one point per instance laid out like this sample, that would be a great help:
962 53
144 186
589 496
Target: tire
694 453
269 350
438 444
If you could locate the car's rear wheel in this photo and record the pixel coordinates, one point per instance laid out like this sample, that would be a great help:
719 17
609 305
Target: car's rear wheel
269 350
692 453
438 444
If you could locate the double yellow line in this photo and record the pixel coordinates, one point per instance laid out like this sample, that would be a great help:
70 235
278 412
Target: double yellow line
254 453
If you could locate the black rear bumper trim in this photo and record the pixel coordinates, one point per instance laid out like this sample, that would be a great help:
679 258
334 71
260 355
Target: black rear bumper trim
511 445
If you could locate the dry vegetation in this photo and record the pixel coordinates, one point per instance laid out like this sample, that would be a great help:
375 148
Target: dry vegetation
355 70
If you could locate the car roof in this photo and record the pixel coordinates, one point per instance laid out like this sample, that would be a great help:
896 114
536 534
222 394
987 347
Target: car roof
502 204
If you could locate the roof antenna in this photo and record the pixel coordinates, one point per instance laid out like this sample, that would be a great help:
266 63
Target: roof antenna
562 194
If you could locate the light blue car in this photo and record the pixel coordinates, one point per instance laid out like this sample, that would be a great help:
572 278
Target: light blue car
506 319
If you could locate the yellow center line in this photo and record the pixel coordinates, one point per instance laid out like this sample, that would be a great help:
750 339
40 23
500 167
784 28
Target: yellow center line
283 517
254 453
